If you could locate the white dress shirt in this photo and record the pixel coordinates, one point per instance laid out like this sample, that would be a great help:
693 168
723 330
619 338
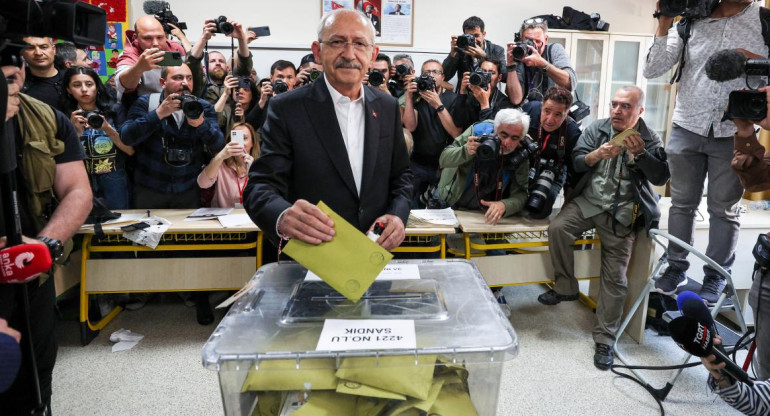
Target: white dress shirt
350 116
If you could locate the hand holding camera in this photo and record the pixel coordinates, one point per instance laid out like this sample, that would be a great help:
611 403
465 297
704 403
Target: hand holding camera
472 145
209 28
231 83
431 97
170 104
78 121
267 92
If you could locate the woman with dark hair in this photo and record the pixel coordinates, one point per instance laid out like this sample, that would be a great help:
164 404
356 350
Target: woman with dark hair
239 97
85 98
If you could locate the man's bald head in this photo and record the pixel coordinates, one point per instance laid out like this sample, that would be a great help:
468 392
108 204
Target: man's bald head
149 33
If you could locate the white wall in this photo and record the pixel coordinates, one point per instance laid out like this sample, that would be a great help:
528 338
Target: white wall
293 22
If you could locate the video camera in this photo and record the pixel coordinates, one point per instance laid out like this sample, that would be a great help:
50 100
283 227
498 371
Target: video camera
94 117
426 83
191 107
521 47
79 22
696 9
162 11
465 41
480 78
729 64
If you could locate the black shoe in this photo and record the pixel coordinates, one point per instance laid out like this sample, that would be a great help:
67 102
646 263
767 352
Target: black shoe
712 288
552 298
603 357
672 278
203 310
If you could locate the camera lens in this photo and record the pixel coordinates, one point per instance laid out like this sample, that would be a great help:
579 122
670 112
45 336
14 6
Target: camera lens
314 74
280 86
95 120
489 148
223 26
191 107
375 78
402 70
540 190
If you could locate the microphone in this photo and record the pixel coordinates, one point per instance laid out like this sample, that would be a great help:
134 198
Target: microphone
154 7
693 306
696 339
729 64
21 263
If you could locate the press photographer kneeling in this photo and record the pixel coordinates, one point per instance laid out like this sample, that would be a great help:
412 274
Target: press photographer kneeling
486 167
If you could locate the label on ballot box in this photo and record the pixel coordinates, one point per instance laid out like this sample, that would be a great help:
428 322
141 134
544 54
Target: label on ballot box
390 272
345 335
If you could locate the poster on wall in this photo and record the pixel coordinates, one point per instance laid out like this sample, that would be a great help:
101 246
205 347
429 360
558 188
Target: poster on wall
105 57
393 20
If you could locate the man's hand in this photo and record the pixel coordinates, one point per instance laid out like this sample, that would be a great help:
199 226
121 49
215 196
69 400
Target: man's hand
5 329
605 151
266 93
709 363
393 234
209 27
431 97
634 144
149 58
495 211
664 22
481 95
466 81
411 89
238 32
509 54
196 122
471 145
475 51
303 77
453 47
168 106
534 59
12 74
306 222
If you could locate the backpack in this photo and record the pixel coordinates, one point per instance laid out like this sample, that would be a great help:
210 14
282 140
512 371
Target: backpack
684 27
575 20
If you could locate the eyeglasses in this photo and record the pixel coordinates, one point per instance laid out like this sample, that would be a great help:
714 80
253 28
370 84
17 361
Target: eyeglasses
432 72
534 22
623 106
341 44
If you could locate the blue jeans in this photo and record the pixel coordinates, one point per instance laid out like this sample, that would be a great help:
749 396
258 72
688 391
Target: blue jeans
113 188
691 158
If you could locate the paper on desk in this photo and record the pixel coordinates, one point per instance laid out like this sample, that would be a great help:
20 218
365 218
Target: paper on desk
202 214
123 219
620 137
423 217
235 220
390 272
349 263
150 236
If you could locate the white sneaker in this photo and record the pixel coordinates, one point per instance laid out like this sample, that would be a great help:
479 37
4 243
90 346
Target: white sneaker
122 335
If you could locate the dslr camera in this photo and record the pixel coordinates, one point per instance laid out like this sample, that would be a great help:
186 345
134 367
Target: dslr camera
401 71
244 82
162 11
95 120
480 78
223 26
489 147
465 41
280 86
313 75
426 83
521 47
175 155
191 107
696 9
376 78
526 150
541 189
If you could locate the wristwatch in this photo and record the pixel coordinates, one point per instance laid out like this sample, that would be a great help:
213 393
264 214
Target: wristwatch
54 246
440 108
546 67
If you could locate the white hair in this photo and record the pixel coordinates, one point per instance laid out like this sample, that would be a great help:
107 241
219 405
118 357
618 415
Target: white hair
329 19
510 116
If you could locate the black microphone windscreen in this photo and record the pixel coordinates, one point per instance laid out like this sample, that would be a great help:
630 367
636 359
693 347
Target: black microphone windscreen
691 336
725 65
694 307
154 7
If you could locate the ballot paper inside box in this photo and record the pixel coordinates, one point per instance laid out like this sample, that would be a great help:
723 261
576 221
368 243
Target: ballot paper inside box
266 349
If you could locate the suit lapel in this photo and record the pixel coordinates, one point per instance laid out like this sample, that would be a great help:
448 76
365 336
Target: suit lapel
320 109
371 137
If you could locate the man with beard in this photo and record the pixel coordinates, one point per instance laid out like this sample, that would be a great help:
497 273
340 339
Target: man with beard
169 144
211 88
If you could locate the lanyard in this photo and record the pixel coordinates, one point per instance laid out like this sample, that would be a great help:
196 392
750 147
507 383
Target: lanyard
241 188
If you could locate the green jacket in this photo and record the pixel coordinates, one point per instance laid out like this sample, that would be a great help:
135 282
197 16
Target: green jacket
456 166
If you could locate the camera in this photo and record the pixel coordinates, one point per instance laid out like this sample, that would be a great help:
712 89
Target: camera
223 26
280 86
244 82
489 147
526 149
376 78
426 83
430 198
191 107
314 75
521 49
747 104
177 157
480 78
401 71
541 189
95 120
162 11
687 8
465 41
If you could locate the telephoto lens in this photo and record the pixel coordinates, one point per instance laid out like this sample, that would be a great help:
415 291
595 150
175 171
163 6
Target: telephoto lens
489 147
521 49
426 83
95 120
465 41
191 107
401 71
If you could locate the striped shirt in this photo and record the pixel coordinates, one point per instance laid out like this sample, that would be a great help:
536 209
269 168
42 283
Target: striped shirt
748 400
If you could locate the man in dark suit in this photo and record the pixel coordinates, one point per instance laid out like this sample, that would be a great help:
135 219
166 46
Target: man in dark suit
373 17
335 141
397 11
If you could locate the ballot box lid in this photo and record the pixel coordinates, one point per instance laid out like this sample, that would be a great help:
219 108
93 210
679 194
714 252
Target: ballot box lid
283 314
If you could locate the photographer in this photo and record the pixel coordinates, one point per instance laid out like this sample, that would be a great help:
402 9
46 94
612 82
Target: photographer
138 70
68 55
614 196
307 69
211 84
556 135
701 145
497 185
467 58
169 142
382 65
283 76
483 100
540 66
90 108
50 216
399 81
43 80
239 98
427 115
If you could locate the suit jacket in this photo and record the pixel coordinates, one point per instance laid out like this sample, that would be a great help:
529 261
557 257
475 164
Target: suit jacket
304 157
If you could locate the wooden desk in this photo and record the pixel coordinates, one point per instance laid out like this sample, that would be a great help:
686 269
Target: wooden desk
421 239
125 275
534 266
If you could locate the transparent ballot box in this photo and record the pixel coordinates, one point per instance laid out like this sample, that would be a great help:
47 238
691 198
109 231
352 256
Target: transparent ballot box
429 339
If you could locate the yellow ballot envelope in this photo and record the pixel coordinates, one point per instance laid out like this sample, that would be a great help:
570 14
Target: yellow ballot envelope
618 140
349 263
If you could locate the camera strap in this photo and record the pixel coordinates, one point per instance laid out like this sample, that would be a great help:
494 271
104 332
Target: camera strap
561 146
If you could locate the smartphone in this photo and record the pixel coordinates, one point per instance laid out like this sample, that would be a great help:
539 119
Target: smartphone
134 227
237 137
171 59
260 31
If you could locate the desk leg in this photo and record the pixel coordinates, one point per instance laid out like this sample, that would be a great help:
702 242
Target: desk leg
89 331
442 239
467 238
259 249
